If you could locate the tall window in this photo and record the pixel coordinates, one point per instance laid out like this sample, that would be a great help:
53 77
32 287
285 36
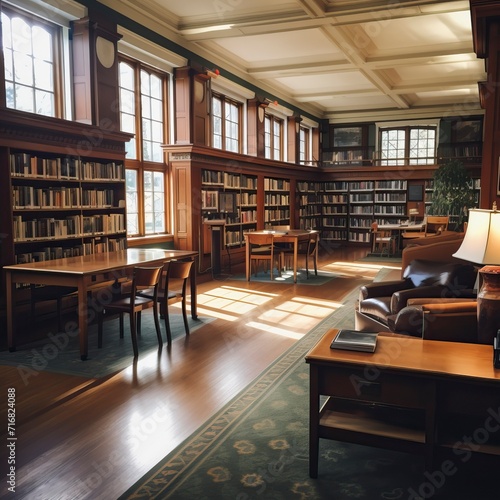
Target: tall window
31 74
226 118
142 113
273 134
304 156
408 145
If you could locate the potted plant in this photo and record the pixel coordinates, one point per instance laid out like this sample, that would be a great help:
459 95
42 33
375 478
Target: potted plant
453 193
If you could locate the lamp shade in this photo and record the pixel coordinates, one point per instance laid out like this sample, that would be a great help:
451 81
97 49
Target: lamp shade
481 244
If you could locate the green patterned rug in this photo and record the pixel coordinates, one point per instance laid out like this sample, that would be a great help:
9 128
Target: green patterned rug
60 352
257 447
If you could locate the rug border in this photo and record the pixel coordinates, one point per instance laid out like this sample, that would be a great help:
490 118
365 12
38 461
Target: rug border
262 384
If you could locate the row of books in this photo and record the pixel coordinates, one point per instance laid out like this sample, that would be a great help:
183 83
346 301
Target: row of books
28 165
276 184
277 199
71 226
61 197
390 197
97 245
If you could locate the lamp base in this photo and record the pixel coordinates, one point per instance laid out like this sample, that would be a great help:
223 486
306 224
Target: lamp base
488 305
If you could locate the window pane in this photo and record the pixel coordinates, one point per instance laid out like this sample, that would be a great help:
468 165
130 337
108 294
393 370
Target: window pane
132 202
29 69
24 98
44 103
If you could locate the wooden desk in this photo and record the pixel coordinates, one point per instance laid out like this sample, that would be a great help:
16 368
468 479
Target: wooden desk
398 229
84 272
412 395
294 236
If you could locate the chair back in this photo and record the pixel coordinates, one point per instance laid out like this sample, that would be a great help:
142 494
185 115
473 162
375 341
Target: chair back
313 243
146 278
436 224
259 239
179 270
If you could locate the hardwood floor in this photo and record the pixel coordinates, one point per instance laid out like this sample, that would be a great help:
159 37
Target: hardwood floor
80 438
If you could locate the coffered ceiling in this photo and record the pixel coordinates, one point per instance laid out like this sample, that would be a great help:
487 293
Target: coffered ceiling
343 60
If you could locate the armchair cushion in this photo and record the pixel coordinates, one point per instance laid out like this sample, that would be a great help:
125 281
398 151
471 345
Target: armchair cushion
449 320
452 274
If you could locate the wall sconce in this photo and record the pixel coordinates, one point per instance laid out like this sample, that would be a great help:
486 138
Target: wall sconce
212 73
264 102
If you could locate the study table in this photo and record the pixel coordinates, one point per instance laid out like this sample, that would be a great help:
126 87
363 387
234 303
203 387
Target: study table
83 273
410 395
397 229
294 236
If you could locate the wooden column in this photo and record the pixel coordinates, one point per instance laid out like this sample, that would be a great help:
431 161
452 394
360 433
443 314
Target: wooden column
293 138
95 72
192 107
486 34
256 127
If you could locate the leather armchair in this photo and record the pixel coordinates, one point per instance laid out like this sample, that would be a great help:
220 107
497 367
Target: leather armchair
383 306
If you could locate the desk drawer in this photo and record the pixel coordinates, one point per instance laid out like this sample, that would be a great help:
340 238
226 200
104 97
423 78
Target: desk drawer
375 385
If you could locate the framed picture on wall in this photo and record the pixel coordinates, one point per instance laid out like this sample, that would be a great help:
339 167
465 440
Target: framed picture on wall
468 131
415 192
347 137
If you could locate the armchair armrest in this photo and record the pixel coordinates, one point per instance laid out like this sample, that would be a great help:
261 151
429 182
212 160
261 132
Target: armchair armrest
400 298
452 321
448 321
383 289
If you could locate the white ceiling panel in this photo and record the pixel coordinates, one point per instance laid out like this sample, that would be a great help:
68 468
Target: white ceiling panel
341 60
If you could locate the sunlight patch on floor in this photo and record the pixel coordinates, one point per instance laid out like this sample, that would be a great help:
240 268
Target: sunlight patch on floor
359 269
275 330
223 302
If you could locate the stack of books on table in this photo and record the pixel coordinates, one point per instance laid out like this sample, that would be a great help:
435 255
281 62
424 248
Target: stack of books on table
352 340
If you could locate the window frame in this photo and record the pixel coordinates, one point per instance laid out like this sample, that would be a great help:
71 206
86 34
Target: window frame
138 164
56 31
270 137
225 101
406 159
305 156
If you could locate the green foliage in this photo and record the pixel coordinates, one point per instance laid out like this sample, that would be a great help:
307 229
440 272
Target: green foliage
453 190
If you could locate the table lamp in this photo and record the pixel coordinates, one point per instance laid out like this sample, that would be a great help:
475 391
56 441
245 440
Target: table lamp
481 245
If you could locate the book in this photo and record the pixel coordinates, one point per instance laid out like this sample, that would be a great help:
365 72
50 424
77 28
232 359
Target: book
353 340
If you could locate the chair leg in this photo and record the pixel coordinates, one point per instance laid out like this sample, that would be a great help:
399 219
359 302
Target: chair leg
167 325
184 315
121 325
133 333
138 323
157 324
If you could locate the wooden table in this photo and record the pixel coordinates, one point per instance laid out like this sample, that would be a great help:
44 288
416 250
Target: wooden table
84 272
411 395
295 236
401 228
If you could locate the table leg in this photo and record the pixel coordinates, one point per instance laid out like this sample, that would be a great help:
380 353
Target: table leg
247 259
83 319
295 258
194 301
11 342
313 422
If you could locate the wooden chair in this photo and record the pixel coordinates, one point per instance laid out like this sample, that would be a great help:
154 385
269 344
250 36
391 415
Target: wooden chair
409 235
173 287
145 278
383 242
436 224
309 251
262 249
